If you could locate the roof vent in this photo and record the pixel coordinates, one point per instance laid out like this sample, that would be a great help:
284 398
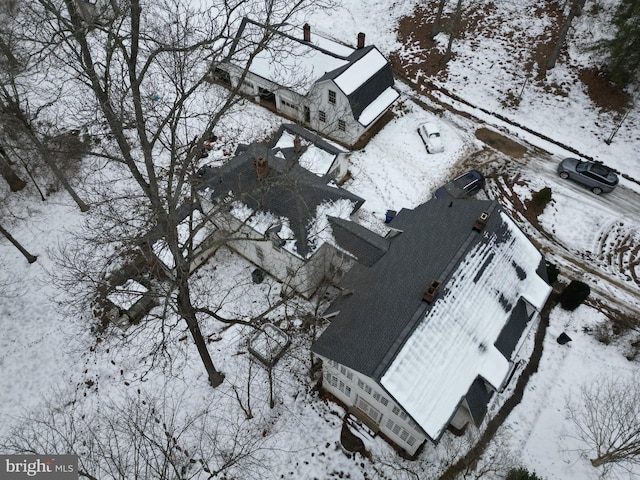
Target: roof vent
481 221
431 292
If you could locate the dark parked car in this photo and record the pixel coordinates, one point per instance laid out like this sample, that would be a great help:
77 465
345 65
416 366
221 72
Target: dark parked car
464 186
594 175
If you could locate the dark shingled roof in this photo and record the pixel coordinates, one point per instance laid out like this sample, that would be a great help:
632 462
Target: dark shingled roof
288 190
367 246
478 398
374 321
512 331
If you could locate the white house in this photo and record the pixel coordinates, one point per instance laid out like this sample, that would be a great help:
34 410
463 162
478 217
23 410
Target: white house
284 218
334 89
424 337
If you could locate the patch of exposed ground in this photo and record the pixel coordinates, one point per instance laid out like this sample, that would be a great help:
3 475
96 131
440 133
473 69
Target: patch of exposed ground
501 143
606 95
422 59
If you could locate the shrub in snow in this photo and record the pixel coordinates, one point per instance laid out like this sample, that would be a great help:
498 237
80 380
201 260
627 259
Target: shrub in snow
522 474
574 294
539 200
552 273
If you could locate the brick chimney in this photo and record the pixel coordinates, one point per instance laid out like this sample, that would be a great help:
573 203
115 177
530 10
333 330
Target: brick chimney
262 168
306 31
361 40
297 144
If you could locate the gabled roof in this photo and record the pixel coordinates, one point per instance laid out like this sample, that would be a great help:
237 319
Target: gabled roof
364 75
318 155
427 355
289 193
367 246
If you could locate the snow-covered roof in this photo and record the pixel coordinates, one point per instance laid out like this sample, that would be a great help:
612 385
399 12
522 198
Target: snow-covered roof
364 75
453 343
192 223
289 60
314 158
124 296
378 106
360 71
427 355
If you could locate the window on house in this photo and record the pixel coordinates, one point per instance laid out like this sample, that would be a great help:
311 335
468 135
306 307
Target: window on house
396 410
384 401
322 116
342 125
403 415
367 389
334 380
390 423
360 384
376 396
341 387
404 435
347 391
411 440
368 409
259 253
332 97
396 429
349 375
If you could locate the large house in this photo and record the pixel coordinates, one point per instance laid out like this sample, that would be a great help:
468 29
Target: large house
284 218
329 87
422 338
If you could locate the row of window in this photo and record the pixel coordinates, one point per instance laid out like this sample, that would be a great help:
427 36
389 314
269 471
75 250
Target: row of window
333 380
400 432
376 395
289 104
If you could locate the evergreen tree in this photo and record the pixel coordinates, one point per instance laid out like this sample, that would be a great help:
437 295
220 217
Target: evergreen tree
623 51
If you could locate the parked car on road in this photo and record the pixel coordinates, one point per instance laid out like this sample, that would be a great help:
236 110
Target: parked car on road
594 175
430 134
464 186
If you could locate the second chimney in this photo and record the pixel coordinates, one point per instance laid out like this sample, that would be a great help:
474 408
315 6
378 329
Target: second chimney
361 40
306 32
262 168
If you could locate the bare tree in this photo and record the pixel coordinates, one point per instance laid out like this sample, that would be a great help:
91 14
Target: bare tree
143 435
30 258
437 22
144 71
606 417
9 174
574 11
454 30
20 124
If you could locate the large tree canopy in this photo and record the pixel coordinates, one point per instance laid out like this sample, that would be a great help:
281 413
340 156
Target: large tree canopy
623 50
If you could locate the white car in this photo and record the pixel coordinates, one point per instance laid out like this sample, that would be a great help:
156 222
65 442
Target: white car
430 134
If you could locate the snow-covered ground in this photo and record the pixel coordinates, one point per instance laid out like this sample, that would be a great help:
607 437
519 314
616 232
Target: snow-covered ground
44 353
